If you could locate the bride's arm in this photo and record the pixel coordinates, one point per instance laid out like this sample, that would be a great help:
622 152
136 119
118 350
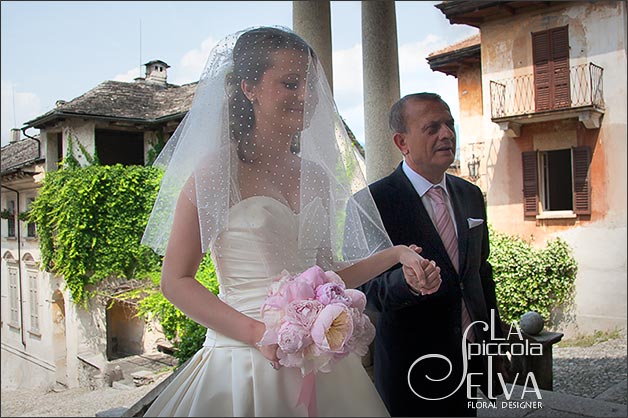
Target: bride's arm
419 272
182 258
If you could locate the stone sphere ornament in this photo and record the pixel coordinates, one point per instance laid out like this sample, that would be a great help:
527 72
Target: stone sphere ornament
531 323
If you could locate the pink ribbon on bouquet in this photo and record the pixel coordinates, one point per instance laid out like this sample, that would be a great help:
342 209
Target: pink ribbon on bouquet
307 396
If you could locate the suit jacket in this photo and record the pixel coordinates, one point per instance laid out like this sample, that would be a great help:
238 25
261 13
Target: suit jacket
411 326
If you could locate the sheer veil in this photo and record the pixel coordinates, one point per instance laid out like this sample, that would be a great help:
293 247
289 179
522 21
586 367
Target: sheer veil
263 125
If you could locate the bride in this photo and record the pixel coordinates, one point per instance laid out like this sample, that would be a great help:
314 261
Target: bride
261 174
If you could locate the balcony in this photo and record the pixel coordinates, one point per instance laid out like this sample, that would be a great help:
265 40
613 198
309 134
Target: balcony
514 101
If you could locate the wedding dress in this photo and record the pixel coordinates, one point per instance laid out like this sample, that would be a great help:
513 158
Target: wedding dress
229 378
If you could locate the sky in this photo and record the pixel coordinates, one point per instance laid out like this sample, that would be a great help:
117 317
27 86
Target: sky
58 50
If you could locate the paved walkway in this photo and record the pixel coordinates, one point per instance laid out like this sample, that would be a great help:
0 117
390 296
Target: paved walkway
521 402
609 403
555 404
551 404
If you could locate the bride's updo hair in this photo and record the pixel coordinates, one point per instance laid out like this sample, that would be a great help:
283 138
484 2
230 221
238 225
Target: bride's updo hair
252 56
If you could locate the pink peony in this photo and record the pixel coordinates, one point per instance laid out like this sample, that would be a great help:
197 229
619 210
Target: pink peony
363 333
309 359
333 328
315 320
288 291
296 290
292 337
314 277
317 359
278 282
303 312
292 359
332 293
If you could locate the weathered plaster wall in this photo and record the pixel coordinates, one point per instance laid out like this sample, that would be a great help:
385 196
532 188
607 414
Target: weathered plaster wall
471 139
82 133
27 360
597 33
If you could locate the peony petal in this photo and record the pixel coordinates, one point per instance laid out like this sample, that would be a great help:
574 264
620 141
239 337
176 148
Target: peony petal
333 327
340 331
332 277
358 299
313 277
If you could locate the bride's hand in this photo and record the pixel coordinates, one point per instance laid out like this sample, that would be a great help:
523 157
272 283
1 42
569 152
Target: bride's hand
422 275
268 351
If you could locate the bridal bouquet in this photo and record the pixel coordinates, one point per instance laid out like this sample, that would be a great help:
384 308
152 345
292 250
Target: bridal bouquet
315 320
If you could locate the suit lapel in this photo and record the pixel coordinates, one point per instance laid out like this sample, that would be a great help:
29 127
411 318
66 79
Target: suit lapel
415 221
461 223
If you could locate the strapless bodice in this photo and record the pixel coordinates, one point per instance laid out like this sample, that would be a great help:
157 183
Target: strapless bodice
263 238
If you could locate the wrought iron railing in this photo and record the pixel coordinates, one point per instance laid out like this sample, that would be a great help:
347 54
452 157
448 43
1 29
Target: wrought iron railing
515 96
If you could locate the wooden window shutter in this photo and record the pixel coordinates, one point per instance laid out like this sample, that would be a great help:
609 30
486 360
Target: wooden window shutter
541 64
580 162
530 183
559 39
550 59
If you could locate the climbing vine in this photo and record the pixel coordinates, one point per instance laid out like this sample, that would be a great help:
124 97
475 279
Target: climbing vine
90 221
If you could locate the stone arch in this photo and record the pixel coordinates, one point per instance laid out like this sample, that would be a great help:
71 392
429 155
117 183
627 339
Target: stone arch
125 330
27 257
29 261
8 257
59 337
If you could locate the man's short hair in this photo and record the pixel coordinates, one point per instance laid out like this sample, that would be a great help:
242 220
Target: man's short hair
397 116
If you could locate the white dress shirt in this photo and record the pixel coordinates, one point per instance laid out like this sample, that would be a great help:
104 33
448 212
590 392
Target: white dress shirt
422 185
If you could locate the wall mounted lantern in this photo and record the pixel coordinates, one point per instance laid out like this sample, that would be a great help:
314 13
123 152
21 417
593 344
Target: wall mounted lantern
474 167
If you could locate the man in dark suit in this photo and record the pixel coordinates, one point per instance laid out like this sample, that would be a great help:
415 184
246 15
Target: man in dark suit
445 216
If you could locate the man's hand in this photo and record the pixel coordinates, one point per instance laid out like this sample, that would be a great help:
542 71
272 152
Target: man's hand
422 275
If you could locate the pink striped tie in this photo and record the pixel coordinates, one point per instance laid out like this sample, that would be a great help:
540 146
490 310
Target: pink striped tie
445 227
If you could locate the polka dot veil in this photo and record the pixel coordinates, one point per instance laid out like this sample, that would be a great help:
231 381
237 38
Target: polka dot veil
263 130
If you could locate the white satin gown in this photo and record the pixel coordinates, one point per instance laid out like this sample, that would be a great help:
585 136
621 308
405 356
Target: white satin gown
229 378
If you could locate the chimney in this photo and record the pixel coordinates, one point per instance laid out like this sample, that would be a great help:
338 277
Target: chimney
15 135
156 72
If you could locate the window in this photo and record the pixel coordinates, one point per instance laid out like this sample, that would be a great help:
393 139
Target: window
13 297
31 230
11 218
558 180
556 191
113 147
59 142
550 55
33 301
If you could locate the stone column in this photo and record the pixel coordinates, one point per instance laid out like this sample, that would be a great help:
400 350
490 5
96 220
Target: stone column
312 21
381 85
